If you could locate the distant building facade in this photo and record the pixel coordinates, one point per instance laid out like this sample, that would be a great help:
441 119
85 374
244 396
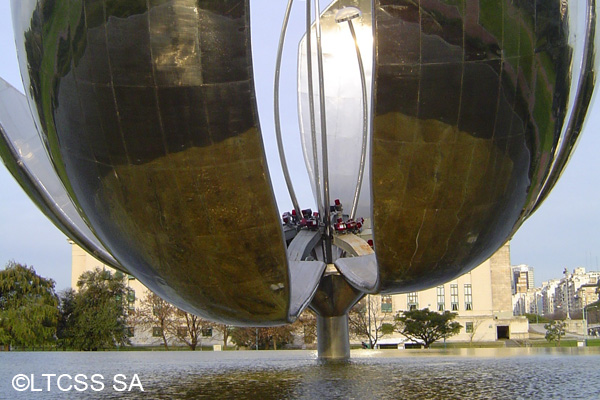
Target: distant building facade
525 298
522 278
482 299
81 262
567 296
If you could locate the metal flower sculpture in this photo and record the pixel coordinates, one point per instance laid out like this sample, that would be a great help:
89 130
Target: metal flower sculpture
443 123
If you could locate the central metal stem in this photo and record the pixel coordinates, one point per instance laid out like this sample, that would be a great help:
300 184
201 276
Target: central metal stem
333 338
332 302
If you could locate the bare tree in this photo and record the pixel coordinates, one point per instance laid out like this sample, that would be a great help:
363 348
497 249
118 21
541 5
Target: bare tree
367 320
188 329
155 312
306 326
476 324
262 338
278 334
225 331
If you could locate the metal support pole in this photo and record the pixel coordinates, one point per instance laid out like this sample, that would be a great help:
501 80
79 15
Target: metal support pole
334 338
311 109
585 327
332 303
327 202
284 167
365 123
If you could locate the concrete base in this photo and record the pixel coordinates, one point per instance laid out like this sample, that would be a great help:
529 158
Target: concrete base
333 338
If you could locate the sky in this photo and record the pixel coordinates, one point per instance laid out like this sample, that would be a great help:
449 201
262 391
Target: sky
563 233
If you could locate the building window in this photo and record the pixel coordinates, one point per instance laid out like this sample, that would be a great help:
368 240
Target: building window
207 331
386 304
468 297
156 331
131 296
454 297
441 298
413 301
469 327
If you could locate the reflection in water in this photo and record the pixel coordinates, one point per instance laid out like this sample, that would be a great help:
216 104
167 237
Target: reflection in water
434 374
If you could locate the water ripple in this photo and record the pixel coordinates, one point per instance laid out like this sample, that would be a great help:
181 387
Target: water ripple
464 374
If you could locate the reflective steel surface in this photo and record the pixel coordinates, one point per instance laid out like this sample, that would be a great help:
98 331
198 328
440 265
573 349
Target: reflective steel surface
343 96
25 157
474 101
148 128
148 112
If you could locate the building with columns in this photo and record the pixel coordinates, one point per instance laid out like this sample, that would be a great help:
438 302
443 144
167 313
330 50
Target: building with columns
482 298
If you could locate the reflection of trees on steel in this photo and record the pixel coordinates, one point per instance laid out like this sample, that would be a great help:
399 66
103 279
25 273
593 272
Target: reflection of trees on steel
148 115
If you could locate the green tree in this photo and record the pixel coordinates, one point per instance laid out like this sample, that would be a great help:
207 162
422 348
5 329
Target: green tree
99 317
28 307
427 326
66 308
536 319
555 330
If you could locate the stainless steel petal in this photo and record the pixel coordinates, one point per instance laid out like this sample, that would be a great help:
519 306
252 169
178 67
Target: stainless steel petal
149 114
470 107
304 274
359 267
589 25
343 95
25 157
